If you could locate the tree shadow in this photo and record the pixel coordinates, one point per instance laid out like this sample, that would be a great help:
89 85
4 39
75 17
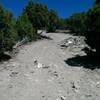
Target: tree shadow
4 57
45 37
84 61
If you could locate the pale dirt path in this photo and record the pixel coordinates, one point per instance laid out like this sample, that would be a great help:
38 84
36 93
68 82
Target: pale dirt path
22 80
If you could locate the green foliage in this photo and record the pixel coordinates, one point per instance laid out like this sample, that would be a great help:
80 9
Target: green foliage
53 21
51 28
8 34
34 16
25 28
37 14
76 23
62 24
89 24
97 2
40 17
93 28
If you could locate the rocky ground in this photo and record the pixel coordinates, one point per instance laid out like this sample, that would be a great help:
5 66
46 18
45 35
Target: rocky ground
50 69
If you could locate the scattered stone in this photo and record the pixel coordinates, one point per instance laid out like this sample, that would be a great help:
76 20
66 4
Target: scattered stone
10 86
60 82
88 95
6 67
74 44
11 70
75 87
35 62
43 96
13 74
98 84
55 74
63 98
14 64
50 80
39 65
32 72
46 66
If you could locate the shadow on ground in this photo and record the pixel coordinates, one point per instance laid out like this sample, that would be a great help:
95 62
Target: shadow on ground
45 37
84 61
4 57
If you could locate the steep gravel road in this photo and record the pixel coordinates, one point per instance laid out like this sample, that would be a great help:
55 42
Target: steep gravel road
39 72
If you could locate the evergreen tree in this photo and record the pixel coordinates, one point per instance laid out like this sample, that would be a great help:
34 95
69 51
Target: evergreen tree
76 23
93 29
37 14
53 21
97 2
25 28
7 32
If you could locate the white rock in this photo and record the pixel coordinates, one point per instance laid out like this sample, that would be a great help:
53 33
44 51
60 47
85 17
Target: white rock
39 65
98 83
70 42
63 98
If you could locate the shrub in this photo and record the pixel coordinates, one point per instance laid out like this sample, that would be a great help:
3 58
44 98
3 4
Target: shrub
37 14
25 28
8 34
93 29
76 23
51 28
53 21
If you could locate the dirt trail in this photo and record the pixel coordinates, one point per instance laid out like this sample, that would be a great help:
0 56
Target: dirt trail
49 78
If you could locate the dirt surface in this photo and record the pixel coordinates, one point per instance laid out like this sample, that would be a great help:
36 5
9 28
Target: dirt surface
40 71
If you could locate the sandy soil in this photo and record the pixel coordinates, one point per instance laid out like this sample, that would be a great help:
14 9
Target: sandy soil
39 72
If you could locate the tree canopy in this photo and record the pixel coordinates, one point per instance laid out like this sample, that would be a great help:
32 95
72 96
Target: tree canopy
37 14
88 24
8 34
97 1
93 29
76 23
33 17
